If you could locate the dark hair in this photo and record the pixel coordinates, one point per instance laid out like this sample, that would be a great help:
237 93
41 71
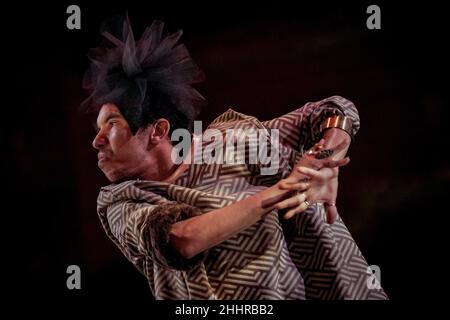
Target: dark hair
147 79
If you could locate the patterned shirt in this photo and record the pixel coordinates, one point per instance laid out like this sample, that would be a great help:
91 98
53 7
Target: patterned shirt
300 258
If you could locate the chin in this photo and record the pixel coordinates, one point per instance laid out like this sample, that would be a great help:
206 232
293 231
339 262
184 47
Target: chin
112 179
116 177
111 176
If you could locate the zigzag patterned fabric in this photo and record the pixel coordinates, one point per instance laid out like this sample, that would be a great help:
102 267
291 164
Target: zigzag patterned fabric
300 258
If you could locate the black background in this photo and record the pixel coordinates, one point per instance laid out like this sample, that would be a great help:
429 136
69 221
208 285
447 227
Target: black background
260 59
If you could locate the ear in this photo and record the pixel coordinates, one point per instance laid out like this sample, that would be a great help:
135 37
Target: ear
159 131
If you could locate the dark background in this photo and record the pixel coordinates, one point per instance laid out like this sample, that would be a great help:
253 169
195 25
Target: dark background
261 59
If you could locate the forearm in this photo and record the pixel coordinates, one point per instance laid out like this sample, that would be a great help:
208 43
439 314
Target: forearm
194 235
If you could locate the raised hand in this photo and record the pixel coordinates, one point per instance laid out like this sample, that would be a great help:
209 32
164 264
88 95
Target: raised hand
313 179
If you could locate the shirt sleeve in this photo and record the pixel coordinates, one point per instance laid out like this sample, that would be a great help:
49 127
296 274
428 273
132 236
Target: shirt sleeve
141 230
300 129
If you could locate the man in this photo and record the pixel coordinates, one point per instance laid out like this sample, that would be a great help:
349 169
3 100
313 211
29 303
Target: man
218 230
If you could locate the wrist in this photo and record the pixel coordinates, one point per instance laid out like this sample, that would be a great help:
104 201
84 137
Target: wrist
338 122
335 136
337 140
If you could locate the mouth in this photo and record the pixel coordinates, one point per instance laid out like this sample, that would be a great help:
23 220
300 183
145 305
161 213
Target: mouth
101 157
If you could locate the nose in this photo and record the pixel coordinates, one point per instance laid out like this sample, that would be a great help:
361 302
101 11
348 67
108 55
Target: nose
99 140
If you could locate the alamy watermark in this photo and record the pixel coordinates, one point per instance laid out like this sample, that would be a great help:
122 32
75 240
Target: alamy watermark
374 20
74 19
235 146
373 280
74 279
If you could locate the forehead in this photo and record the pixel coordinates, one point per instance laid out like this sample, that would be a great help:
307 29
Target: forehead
106 111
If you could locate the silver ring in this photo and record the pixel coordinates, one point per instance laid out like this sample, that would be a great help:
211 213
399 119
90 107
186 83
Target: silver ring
307 203
332 204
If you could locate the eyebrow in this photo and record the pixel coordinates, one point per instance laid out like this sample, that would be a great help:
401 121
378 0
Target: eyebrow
110 116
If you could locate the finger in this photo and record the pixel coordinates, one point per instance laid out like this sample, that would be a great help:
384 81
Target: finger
289 180
299 186
320 144
291 202
331 214
336 163
286 204
315 164
302 207
310 172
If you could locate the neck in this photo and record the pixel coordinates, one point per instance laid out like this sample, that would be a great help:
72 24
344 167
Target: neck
160 166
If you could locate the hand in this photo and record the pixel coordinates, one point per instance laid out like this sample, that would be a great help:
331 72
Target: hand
319 186
324 155
318 157
339 141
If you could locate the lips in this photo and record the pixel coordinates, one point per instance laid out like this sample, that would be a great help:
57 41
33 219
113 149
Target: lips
101 157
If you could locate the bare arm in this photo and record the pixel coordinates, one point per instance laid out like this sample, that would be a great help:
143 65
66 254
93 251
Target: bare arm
194 235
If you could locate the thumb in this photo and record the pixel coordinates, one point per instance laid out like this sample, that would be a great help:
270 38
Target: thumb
332 213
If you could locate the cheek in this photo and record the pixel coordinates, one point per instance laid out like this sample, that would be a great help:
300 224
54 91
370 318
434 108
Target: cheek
126 148
119 139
